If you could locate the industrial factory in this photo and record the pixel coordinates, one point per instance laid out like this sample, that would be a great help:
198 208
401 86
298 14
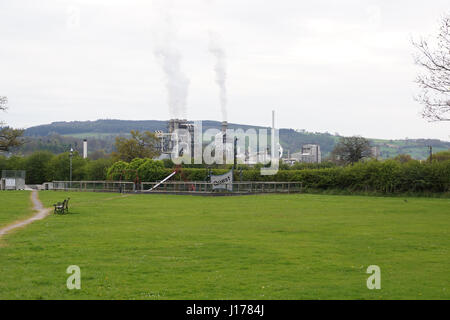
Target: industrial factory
176 141
310 153
167 139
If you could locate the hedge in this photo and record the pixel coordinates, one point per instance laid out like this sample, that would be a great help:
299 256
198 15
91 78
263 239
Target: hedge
373 176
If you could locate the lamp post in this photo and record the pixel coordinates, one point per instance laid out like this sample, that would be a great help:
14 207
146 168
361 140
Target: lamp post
235 152
70 157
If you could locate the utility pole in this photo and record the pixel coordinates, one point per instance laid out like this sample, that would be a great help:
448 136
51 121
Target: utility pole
431 153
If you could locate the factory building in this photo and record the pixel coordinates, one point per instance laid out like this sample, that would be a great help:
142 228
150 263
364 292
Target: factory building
311 153
223 143
166 139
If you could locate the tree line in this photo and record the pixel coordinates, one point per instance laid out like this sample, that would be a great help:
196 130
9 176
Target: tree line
44 166
400 175
372 176
351 167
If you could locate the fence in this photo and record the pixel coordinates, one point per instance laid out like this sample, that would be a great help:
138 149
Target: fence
238 187
178 187
101 186
12 180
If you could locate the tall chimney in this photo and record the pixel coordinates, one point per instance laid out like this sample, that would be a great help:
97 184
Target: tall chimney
224 131
273 119
84 149
272 138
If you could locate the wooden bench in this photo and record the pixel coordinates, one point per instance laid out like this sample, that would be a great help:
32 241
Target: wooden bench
62 207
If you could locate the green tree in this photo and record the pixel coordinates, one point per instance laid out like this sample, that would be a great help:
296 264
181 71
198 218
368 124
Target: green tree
151 170
96 170
441 156
16 163
117 170
140 145
36 166
4 163
402 158
98 154
59 168
350 150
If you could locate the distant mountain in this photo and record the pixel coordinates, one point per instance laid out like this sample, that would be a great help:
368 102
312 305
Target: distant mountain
98 126
116 127
56 137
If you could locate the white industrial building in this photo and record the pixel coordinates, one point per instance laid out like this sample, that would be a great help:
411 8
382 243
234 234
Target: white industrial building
310 153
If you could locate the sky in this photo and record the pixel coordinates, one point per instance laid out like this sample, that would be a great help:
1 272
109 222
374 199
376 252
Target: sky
342 66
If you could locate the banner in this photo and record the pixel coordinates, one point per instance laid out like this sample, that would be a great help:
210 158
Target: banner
223 181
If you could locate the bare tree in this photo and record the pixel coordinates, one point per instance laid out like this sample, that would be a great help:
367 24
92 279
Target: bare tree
9 137
435 78
3 103
3 107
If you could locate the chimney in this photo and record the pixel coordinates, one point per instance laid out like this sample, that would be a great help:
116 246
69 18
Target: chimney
84 149
224 131
224 126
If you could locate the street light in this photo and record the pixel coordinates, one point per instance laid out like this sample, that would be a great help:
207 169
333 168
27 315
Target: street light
70 157
235 153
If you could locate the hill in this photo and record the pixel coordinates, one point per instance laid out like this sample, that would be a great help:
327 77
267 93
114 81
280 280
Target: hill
58 136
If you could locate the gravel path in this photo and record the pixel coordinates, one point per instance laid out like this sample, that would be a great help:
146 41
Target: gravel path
40 214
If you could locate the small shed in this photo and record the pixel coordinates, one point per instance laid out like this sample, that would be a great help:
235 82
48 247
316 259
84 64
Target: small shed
12 180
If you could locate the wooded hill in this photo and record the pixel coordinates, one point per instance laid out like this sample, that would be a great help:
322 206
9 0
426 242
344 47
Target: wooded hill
57 137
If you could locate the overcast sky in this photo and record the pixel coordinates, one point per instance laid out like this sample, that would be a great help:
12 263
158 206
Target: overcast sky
339 66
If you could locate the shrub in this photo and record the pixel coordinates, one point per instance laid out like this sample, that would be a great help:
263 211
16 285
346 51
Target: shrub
151 170
116 171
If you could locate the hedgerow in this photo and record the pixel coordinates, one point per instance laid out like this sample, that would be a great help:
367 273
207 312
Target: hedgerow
373 176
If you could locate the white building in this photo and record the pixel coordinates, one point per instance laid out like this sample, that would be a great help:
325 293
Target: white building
12 180
376 153
311 153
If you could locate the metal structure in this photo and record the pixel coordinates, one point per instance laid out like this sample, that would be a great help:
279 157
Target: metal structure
101 186
178 187
224 131
166 139
238 187
12 180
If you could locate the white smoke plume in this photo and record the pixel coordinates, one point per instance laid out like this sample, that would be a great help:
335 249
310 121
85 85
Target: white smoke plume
177 83
220 69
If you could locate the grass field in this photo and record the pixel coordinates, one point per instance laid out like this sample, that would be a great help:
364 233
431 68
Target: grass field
246 247
14 205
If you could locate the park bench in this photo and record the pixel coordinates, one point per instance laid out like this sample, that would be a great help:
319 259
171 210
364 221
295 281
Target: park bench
62 207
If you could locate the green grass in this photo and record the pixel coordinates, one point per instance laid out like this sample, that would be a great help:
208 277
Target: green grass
14 205
247 247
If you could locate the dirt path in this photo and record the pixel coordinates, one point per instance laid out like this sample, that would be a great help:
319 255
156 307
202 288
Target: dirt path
40 214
